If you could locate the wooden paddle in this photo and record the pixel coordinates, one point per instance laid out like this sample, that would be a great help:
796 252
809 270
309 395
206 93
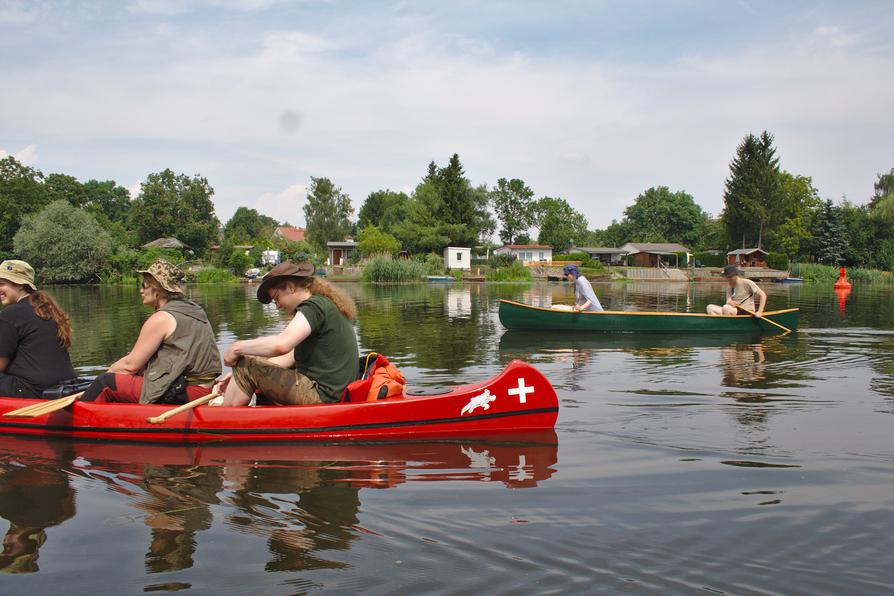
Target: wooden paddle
762 318
188 406
47 407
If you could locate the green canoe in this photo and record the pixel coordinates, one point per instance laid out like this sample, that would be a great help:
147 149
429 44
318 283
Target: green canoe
515 315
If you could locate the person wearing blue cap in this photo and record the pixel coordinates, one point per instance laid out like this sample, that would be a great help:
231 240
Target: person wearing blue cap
584 297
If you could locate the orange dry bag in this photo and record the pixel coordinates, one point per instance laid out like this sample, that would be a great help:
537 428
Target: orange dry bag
386 382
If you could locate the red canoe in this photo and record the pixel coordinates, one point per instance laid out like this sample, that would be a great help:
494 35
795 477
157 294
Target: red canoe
518 399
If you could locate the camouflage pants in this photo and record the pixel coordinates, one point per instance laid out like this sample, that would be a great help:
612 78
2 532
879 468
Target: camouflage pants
284 386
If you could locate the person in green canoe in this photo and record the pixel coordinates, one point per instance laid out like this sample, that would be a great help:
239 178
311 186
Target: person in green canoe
312 360
740 293
584 297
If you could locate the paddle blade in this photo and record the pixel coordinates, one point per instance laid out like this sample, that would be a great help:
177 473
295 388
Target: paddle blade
35 410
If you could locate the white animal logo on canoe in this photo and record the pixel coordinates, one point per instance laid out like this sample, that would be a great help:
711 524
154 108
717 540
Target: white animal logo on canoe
479 401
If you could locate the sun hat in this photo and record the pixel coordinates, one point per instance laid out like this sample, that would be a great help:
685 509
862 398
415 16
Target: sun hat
285 270
571 269
18 272
166 274
730 271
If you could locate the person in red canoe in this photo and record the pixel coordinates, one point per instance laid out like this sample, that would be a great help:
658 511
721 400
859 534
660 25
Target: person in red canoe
35 335
175 358
312 360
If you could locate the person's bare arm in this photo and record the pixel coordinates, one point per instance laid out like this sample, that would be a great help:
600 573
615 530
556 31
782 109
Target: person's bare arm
762 298
156 328
4 362
272 345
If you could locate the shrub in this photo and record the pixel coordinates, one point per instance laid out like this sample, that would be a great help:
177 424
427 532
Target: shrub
373 241
777 260
63 244
708 259
239 262
215 275
385 269
515 272
504 260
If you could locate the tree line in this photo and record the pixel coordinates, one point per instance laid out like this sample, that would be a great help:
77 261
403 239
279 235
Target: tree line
77 231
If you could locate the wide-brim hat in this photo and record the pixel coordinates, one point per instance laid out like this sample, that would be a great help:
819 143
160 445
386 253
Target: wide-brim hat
18 272
731 271
166 274
285 270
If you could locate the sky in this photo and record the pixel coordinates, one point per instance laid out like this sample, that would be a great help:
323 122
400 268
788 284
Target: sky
593 101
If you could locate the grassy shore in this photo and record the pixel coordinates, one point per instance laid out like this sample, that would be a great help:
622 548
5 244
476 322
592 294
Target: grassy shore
813 272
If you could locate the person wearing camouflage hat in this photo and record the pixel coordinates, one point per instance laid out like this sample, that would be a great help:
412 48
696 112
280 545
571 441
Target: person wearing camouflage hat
35 335
175 357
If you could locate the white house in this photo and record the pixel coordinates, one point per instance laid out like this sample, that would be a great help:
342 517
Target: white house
527 253
457 257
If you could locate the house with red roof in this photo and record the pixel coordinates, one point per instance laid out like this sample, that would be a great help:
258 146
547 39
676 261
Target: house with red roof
290 233
527 253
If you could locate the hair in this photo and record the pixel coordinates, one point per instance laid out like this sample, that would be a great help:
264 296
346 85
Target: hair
46 308
160 291
342 302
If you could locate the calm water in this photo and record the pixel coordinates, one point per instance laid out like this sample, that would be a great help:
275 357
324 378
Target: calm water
678 465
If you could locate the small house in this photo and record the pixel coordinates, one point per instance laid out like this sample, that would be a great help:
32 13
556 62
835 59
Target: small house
341 252
527 253
457 257
655 254
270 257
747 257
608 256
290 233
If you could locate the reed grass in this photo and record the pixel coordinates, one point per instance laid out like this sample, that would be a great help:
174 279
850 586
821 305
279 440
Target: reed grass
384 269
815 272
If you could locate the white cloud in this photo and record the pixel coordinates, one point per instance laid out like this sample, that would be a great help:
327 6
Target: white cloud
285 205
290 104
19 13
135 189
175 7
27 156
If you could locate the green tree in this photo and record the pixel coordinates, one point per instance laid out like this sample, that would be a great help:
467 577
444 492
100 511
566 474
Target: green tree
373 241
108 198
327 213
176 205
830 237
751 192
513 204
383 209
659 215
21 193
247 226
798 203
560 225
63 243
239 262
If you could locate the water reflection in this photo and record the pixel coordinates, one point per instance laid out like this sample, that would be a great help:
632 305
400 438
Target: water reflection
302 499
35 494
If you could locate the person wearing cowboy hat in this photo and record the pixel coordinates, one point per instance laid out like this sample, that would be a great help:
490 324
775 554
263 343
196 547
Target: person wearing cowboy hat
35 335
584 297
312 360
740 293
175 357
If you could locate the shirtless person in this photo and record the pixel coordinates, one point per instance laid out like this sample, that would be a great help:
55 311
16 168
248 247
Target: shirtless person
741 292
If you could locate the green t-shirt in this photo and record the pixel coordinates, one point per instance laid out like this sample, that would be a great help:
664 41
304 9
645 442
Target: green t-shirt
329 355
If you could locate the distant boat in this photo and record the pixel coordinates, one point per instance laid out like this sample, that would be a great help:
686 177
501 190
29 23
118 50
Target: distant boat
515 315
438 278
791 280
252 273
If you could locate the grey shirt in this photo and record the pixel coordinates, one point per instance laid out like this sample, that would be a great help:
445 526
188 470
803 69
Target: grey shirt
583 291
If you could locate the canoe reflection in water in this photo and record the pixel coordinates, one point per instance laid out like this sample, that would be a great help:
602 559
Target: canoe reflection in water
304 499
34 495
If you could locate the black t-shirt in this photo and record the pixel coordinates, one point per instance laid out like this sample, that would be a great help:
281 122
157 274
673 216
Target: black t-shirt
32 346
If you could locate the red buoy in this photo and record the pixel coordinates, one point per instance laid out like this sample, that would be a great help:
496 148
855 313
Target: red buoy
842 282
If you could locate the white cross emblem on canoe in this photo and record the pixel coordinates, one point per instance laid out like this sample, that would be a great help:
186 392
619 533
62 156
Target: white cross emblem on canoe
522 391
